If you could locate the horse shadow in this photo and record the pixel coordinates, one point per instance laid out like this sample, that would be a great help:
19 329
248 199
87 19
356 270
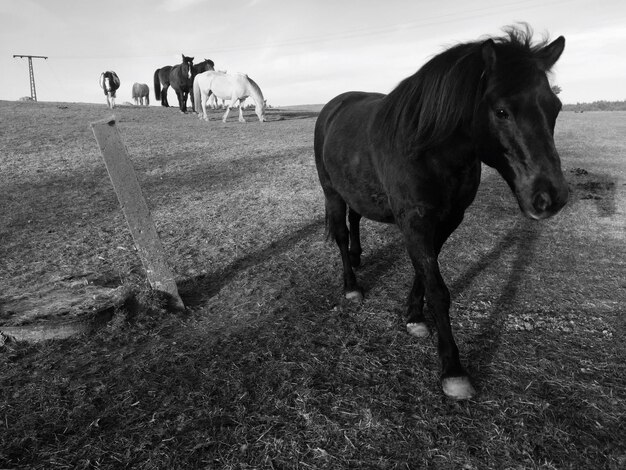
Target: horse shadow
522 238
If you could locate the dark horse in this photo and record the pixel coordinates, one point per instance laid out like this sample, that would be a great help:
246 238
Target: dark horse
413 158
180 79
109 82
204 66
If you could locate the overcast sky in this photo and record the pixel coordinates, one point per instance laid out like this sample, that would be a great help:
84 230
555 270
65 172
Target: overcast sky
298 51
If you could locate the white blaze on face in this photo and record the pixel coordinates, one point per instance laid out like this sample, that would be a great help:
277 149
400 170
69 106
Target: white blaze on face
107 84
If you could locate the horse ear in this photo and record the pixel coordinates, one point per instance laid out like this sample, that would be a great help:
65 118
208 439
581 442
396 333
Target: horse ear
551 53
488 52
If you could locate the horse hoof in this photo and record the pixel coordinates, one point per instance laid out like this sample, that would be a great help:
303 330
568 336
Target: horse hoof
354 296
458 388
419 330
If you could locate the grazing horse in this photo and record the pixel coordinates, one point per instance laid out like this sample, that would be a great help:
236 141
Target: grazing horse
234 87
109 82
413 158
141 94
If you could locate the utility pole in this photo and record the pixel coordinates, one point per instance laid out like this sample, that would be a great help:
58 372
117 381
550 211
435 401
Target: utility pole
33 92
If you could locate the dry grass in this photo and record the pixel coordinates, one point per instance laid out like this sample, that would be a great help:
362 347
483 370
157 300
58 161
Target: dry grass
269 368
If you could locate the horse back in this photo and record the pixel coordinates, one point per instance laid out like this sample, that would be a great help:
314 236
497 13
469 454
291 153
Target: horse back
164 74
346 157
226 86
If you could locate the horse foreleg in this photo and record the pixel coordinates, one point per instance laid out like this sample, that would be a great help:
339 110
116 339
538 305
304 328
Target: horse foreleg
241 119
419 234
192 100
416 321
182 101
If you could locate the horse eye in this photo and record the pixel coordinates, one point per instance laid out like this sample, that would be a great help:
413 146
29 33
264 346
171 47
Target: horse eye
501 114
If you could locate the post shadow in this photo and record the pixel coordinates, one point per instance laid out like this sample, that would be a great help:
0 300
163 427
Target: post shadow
200 289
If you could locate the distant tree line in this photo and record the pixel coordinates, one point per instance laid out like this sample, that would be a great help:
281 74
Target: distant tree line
596 106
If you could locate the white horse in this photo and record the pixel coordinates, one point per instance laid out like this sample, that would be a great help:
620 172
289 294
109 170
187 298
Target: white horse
235 87
141 94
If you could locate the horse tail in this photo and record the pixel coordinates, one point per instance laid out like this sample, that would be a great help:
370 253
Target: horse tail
197 95
157 85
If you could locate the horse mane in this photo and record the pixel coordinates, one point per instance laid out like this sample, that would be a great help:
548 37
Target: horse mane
255 87
440 99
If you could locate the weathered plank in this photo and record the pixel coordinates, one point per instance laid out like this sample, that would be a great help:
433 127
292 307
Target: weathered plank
133 203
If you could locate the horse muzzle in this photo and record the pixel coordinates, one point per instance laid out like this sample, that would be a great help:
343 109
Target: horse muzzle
544 199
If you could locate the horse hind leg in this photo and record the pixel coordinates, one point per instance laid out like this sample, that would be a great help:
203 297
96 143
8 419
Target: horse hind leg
336 224
355 250
164 101
226 113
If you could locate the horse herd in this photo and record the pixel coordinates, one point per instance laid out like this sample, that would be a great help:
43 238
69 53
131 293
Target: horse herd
197 82
413 158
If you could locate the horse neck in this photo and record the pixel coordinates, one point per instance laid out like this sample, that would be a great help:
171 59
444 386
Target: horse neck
255 93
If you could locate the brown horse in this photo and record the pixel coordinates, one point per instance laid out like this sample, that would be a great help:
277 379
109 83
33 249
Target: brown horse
413 158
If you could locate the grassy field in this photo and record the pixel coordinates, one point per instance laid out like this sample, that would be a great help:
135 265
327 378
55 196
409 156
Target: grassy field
268 367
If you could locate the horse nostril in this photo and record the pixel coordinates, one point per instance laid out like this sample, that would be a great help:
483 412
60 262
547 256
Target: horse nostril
542 201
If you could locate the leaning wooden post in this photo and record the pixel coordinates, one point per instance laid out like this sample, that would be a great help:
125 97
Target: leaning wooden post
135 209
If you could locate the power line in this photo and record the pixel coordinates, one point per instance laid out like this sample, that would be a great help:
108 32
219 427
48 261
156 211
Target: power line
425 21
